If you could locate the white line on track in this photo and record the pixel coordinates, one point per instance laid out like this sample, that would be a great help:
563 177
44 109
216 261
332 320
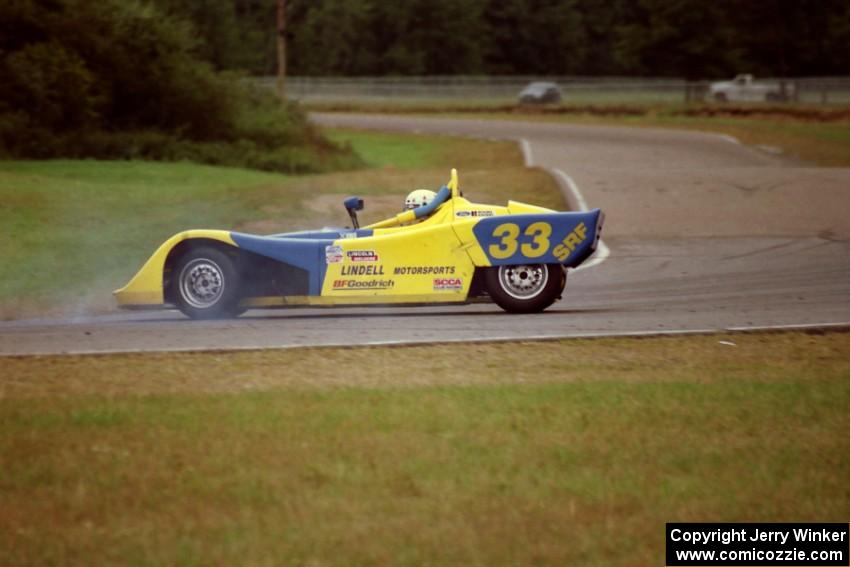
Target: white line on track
566 182
572 187
442 341
796 327
730 139
527 156
602 251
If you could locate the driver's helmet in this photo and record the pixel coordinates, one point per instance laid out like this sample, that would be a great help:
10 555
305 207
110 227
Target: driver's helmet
418 198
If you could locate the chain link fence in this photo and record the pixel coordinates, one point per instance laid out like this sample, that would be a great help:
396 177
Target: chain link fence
575 90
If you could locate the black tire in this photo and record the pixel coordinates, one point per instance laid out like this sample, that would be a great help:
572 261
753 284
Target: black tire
205 284
527 288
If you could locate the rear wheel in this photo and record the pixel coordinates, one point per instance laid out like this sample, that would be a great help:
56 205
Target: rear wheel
526 288
206 284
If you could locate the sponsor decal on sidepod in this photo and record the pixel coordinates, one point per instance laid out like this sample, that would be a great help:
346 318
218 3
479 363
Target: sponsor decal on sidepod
423 270
355 285
362 255
333 254
361 271
441 284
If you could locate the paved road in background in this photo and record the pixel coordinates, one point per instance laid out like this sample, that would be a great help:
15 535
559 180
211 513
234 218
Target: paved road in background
703 234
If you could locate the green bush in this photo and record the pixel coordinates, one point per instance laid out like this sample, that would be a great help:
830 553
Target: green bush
118 79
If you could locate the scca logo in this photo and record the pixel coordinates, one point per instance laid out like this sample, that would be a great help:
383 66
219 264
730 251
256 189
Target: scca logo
570 242
448 283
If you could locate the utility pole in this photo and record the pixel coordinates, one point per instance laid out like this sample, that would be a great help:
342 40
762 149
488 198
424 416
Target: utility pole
281 49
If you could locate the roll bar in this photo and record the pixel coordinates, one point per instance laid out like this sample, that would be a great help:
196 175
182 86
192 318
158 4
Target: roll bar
445 193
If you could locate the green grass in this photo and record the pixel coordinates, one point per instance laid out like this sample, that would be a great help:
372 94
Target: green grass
386 150
74 224
76 230
473 456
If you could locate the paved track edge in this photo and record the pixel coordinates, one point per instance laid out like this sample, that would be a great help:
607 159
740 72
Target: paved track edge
807 328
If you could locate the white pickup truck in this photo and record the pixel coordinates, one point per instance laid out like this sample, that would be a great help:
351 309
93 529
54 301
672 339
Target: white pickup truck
744 89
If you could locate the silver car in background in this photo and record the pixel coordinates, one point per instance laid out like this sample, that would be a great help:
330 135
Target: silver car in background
540 93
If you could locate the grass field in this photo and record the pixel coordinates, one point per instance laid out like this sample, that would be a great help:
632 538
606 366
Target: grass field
76 230
556 453
816 134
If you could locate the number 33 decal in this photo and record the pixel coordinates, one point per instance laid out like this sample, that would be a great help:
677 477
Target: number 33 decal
509 232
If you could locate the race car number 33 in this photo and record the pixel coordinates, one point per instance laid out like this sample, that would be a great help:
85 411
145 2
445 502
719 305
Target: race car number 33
534 241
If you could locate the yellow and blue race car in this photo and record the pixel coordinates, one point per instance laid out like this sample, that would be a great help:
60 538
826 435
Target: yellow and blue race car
448 251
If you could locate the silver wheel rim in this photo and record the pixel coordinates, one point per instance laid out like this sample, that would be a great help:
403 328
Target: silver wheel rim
201 283
525 281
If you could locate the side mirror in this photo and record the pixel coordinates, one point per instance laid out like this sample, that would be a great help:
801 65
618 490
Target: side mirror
352 205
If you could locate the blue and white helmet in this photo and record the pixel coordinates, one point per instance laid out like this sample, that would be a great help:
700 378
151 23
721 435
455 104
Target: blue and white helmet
418 198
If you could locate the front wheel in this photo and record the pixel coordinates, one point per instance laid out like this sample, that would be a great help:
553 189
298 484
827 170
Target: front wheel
526 288
206 284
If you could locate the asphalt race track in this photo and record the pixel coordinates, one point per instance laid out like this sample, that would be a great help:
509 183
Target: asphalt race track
701 234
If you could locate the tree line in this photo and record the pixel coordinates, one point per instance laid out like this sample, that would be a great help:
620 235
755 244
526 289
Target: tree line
694 39
161 79
122 79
